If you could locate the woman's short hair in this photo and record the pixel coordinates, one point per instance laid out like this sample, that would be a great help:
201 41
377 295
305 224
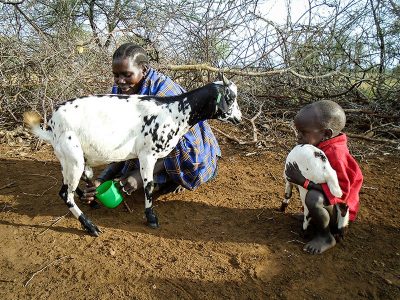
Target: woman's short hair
132 51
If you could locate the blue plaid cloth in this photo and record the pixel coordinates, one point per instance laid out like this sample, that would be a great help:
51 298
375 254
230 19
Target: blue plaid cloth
194 159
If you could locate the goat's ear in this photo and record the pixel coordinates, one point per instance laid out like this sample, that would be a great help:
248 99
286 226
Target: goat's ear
221 103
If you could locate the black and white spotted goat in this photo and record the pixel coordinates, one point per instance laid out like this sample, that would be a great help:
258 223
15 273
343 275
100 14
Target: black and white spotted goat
96 130
314 166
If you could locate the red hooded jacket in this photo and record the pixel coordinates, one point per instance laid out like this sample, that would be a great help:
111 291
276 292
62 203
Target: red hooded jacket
347 170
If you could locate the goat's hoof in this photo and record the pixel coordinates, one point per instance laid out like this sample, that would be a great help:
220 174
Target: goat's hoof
88 225
152 220
340 234
283 207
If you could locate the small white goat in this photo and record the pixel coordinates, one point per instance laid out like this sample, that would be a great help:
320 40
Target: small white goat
96 130
314 166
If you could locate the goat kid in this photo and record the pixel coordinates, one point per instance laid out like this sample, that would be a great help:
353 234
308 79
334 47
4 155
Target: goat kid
96 130
314 165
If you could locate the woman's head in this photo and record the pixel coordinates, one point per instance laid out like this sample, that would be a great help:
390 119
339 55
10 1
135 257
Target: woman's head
319 121
129 65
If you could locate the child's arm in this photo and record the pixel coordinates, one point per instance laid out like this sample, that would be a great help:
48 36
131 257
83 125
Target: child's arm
294 175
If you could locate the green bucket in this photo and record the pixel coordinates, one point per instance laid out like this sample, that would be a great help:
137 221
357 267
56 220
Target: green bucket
108 194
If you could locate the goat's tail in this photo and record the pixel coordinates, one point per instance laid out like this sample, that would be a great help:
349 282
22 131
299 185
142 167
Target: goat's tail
33 120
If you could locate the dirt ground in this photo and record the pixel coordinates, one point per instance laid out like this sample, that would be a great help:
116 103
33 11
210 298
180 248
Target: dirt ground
223 241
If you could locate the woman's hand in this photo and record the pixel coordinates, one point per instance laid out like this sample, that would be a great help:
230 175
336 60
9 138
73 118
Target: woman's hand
89 192
293 174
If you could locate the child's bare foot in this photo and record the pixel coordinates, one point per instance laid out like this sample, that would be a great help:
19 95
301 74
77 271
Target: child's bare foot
320 243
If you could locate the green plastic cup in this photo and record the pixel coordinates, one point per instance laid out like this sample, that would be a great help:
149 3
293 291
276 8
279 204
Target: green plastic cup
108 194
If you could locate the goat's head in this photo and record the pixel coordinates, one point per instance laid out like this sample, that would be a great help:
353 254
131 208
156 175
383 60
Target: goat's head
227 107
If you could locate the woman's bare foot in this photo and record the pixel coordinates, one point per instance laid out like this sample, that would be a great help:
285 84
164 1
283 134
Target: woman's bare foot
320 243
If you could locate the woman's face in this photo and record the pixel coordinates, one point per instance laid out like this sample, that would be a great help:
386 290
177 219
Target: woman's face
127 75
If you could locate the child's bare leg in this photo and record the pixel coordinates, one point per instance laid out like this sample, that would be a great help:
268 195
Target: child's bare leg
320 216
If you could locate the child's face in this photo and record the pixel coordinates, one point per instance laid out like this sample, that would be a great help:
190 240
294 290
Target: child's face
127 75
309 131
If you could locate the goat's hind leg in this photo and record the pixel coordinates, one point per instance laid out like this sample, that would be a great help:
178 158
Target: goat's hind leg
70 155
87 177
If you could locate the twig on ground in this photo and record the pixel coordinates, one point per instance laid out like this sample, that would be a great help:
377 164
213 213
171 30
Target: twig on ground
295 241
42 269
7 185
6 206
369 187
7 280
54 223
259 215
40 195
251 153
272 175
127 206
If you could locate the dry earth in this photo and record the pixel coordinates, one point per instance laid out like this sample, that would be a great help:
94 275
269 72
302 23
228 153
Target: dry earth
223 241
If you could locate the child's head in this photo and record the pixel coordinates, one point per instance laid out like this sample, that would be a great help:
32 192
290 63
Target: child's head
129 66
319 121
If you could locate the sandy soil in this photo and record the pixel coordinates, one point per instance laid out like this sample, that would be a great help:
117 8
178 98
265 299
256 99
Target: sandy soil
223 241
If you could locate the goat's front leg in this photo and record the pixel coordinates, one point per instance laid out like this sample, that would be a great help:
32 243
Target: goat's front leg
87 176
147 163
288 195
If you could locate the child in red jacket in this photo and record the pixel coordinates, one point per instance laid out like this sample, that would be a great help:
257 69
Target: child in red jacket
320 124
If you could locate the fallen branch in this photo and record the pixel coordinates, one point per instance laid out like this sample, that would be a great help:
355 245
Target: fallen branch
232 138
357 136
376 127
45 267
255 130
206 67
253 124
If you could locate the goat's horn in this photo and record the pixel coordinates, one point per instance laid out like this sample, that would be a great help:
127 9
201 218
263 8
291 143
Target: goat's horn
225 80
